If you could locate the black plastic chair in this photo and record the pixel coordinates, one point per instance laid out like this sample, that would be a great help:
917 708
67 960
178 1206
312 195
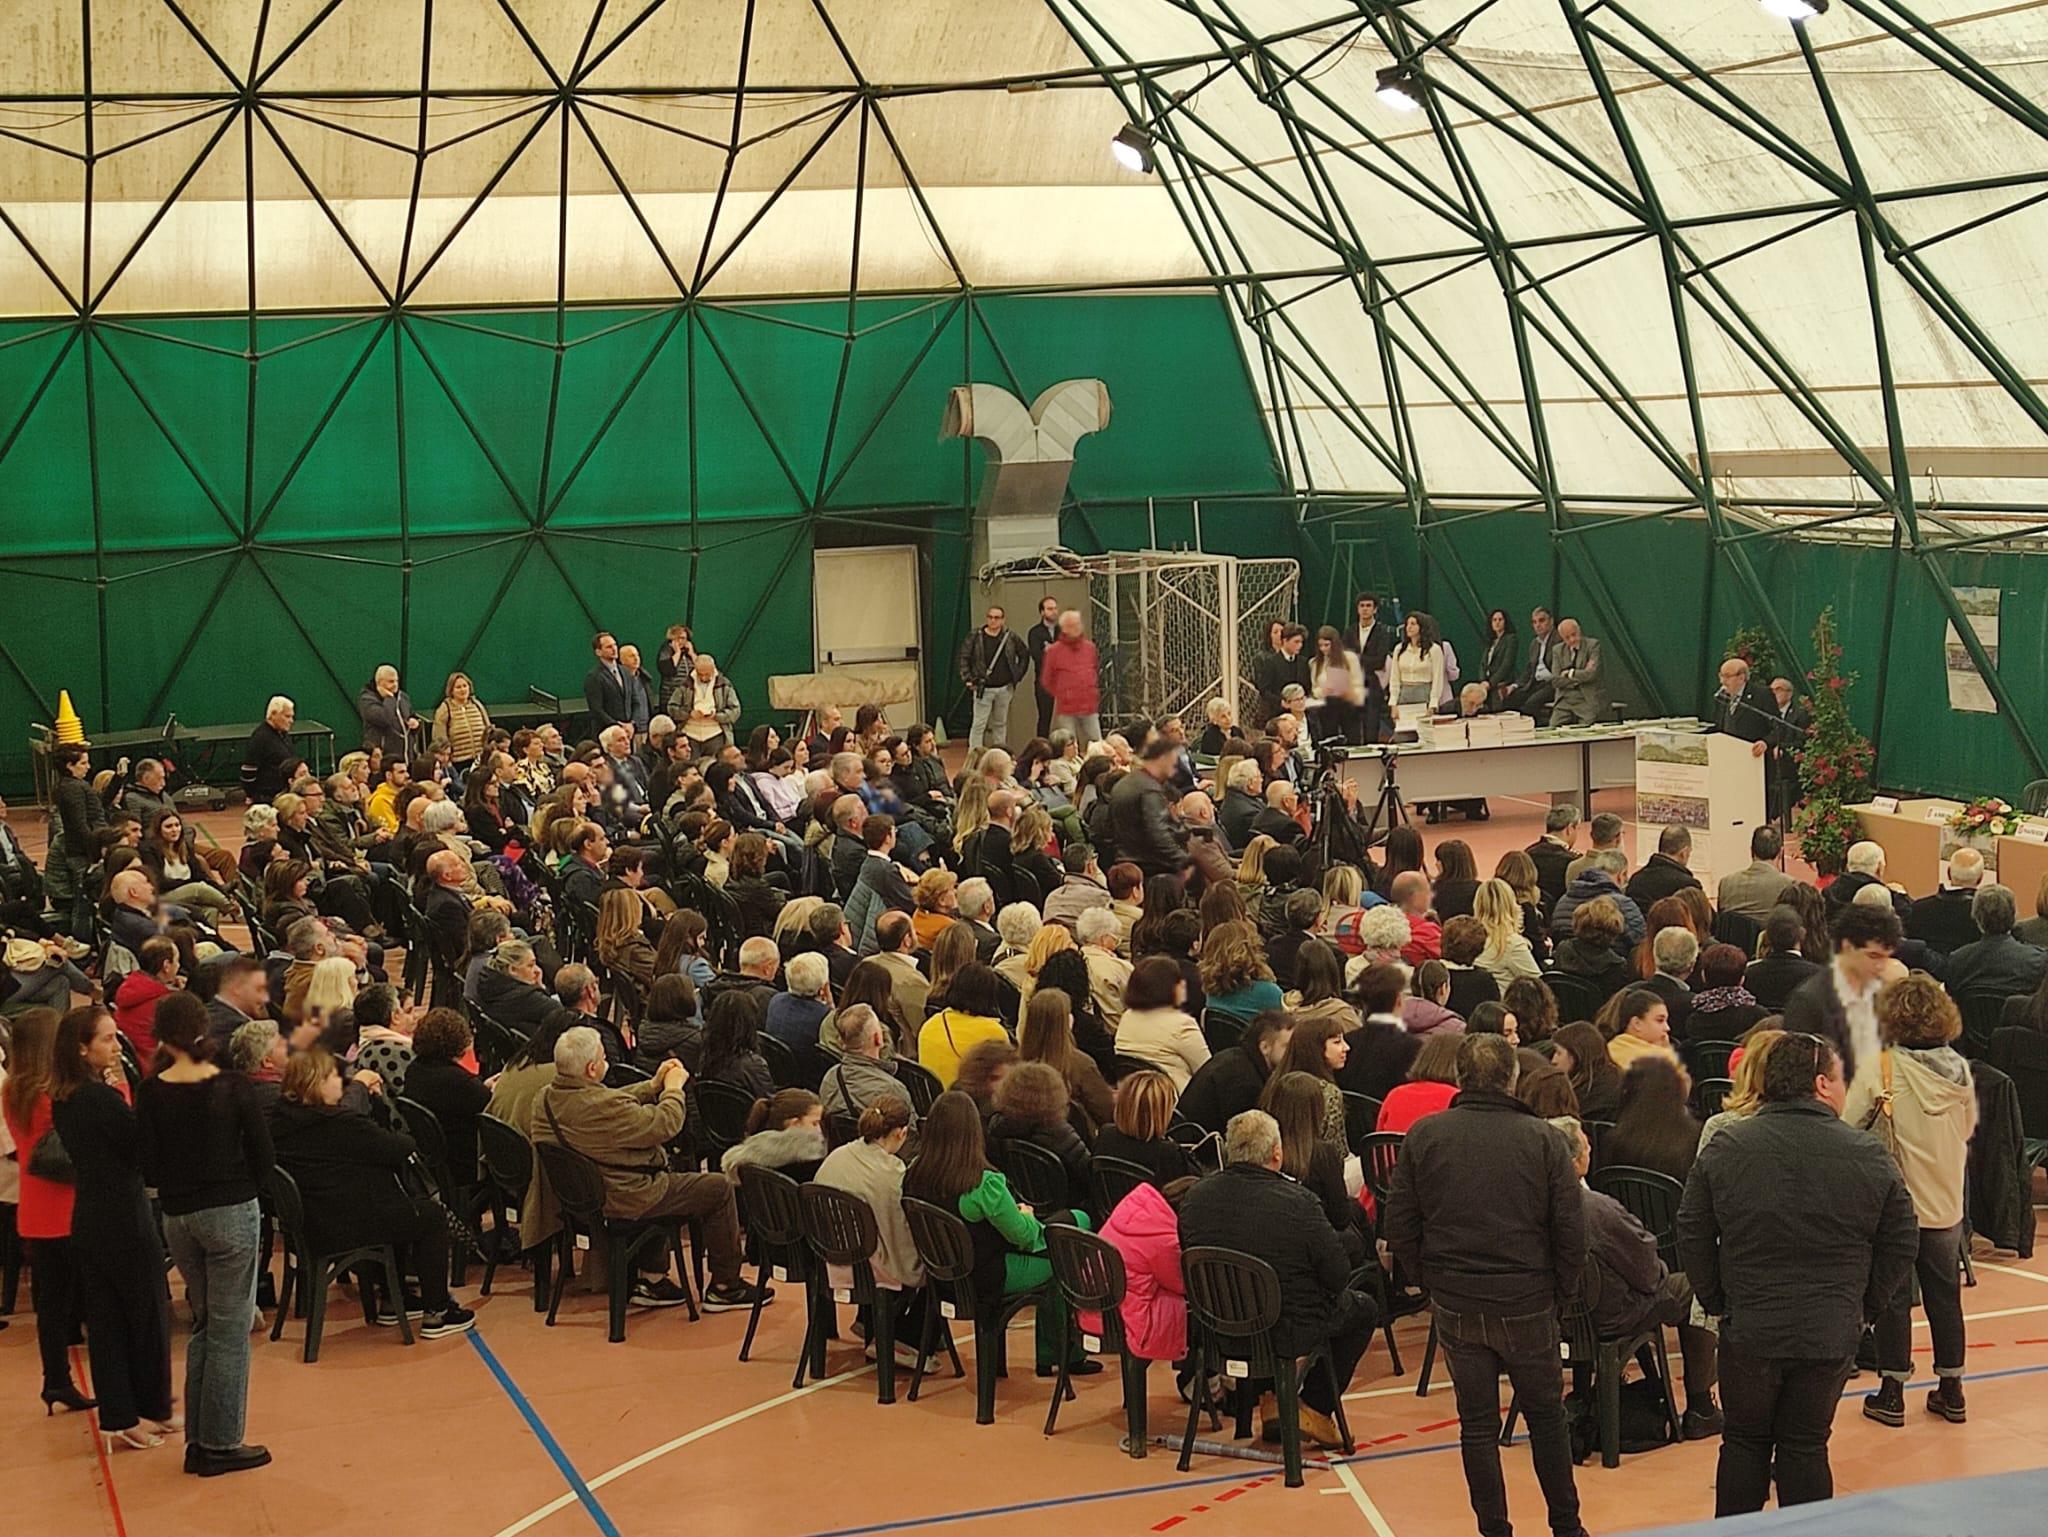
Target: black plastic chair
1113 1179
1233 1306
310 1272
1036 1176
1223 1030
947 1250
841 1127
624 1075
627 1005
578 1186
1577 997
1708 1059
772 1205
1203 1147
1651 1198
1596 1137
1737 929
467 1201
1583 1348
840 1229
1361 1118
508 1166
1377 1154
2022 1054
723 1109
1090 1274
920 1083
1983 1014
1710 1094
781 1060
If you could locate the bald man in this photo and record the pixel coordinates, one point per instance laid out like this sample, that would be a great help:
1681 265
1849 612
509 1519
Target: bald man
1742 707
447 913
135 918
1581 685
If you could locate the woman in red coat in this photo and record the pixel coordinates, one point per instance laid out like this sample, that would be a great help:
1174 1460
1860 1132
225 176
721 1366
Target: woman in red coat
1071 672
44 1218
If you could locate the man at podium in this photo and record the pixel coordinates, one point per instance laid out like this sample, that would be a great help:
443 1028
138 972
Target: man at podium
1742 708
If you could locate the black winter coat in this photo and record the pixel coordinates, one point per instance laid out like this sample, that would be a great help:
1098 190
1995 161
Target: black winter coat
1229 1083
346 1167
1144 833
1262 1212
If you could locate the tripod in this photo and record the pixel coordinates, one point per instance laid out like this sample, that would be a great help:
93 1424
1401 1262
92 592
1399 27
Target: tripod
1388 808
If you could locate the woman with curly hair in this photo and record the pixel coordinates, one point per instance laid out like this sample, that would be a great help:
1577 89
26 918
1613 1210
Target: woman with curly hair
1235 976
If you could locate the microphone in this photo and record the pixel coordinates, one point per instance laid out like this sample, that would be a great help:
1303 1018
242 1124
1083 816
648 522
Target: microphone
1776 720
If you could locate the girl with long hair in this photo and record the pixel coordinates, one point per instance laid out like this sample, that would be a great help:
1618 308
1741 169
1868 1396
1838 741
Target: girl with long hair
1295 1100
1653 1129
1048 1037
1581 1051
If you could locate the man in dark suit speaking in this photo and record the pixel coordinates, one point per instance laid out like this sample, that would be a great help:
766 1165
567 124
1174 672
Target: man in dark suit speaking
1741 707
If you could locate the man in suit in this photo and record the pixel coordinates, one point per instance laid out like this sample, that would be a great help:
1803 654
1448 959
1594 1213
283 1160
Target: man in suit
1038 637
1533 692
1754 890
604 686
1788 741
1551 854
1373 642
1675 952
1943 920
1276 669
1997 963
1864 866
639 692
1665 873
1775 976
1277 820
1581 687
1742 708
1841 1002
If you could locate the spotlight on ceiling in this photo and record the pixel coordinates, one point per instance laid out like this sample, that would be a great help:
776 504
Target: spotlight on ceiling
1795 10
1397 89
1132 148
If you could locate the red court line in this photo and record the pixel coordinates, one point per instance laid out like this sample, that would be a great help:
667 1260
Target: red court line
99 1447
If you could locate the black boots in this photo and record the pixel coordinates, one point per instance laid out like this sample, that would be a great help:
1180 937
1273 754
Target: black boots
1947 1401
1888 1404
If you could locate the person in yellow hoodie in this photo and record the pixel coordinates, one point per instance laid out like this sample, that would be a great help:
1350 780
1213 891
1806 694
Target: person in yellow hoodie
1922 1102
1643 1026
382 809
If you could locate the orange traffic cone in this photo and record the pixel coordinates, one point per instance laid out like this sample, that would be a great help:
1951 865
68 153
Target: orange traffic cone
70 729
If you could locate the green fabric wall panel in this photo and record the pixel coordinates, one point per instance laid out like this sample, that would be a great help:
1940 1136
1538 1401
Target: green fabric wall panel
45 458
328 406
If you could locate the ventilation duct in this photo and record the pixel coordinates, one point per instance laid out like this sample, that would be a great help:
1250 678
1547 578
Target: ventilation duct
1030 455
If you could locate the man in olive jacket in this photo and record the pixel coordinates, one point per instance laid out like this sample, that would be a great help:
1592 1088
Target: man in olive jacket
1795 1229
625 1132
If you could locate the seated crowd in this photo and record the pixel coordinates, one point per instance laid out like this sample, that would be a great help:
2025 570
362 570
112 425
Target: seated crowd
1117 977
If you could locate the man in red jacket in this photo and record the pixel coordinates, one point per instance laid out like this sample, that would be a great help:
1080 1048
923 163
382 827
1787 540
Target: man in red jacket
1072 673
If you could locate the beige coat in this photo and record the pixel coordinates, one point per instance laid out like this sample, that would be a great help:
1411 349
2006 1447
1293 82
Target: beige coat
1107 976
908 990
865 1170
624 1131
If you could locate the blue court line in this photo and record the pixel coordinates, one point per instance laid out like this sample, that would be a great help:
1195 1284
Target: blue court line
1025 1507
546 1437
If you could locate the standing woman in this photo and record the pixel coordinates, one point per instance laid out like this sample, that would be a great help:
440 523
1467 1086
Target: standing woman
1923 1103
1336 683
676 657
459 720
205 1149
119 1261
76 813
43 1219
1500 667
1418 670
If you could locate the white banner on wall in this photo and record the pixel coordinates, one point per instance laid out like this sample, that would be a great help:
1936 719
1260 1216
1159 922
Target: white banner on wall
1966 687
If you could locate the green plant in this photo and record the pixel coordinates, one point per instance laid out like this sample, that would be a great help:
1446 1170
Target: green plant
1835 768
1753 644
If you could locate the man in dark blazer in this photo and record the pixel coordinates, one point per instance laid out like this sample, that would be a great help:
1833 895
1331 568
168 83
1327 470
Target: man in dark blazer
1772 979
1742 708
604 686
1840 1003
1943 920
1664 873
1533 692
447 916
1374 642
1788 740
1552 855
1997 963
1038 637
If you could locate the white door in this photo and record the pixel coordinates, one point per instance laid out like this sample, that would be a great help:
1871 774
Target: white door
868 613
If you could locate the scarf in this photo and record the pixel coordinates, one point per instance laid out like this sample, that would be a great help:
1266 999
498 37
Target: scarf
1715 999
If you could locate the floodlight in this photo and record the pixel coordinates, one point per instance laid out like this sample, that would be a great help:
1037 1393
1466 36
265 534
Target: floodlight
1132 148
1795 10
1397 89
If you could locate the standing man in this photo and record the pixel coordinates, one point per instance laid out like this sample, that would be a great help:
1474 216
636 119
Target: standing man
1277 669
1071 672
1790 724
1038 637
1137 810
1840 1005
387 715
993 662
1741 707
1796 1231
1581 687
269 749
604 686
1373 642
639 694
708 706
1533 693
1485 1210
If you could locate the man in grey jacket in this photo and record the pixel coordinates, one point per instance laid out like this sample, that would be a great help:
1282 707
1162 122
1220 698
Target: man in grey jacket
1581 679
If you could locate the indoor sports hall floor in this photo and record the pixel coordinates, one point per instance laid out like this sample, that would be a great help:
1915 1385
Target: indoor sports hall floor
519 1428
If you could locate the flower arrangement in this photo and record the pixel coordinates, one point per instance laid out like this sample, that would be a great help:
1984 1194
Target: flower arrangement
1835 768
1986 817
1753 644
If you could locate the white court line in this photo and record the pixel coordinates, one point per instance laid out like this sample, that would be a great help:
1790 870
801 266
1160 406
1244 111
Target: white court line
565 1501
1347 1480
2010 1270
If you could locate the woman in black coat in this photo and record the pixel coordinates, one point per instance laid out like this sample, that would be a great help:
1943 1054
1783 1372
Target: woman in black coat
440 1082
347 1169
1500 667
114 1244
1031 1106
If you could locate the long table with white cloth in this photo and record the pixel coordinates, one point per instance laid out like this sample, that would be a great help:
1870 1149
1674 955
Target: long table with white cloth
1571 760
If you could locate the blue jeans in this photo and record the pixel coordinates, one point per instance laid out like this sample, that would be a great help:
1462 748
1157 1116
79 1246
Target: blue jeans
215 1250
991 718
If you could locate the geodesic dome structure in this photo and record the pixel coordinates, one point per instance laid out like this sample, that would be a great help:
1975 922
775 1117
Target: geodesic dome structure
445 333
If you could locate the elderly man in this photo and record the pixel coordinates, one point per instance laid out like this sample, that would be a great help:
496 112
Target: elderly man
1278 820
268 750
135 917
510 989
1244 791
849 851
1099 934
1790 722
1071 672
1581 692
705 701
1998 963
1943 920
1754 890
639 691
977 906
1600 876
576 990
858 1076
1253 1208
628 772
1207 852
626 1133
1081 888
447 912
387 715
759 961
1410 894
1864 866
1485 1210
145 795
1144 833
797 1012
1666 872
1675 951
1742 707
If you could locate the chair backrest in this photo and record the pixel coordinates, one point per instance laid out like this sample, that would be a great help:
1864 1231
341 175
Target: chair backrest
943 1242
1983 1015
427 1133
1036 1175
1361 1118
781 1061
623 1075
2034 797
1710 1094
2022 1054
1596 1137
841 1127
578 1184
281 1191
508 1156
1235 1299
1222 1030
1737 929
725 1107
772 1205
1090 1274
921 1083
839 1226
131 1063
1651 1198
1577 997
1378 1152
1708 1059
1122 1065
1115 1178
627 1004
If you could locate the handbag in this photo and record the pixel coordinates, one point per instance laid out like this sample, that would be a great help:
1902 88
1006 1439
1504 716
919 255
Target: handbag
1880 1120
51 1160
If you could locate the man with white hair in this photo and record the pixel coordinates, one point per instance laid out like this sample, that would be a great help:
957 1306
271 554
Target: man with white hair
268 750
1253 1208
387 715
1244 790
1018 924
1675 951
510 992
848 851
1410 895
628 772
1071 672
795 1013
1099 933
1581 689
1864 866
1742 707
1943 919
135 918
1206 849
1277 820
1998 963
759 961
976 900
707 704
626 1133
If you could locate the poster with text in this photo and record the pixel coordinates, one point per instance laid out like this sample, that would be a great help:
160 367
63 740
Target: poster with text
1966 686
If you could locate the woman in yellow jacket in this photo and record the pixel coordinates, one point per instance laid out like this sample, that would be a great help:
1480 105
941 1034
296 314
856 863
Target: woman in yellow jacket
970 1017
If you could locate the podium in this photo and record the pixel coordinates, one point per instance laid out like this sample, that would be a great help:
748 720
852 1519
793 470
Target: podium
1708 782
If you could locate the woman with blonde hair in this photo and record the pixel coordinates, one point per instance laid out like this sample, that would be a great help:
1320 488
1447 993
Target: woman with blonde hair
1029 861
1343 893
1049 941
952 952
1048 1037
1506 953
937 903
793 922
970 816
621 941
459 720
333 986
1018 925
1145 1103
1251 869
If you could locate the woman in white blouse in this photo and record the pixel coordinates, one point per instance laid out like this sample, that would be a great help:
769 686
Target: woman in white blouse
1418 669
